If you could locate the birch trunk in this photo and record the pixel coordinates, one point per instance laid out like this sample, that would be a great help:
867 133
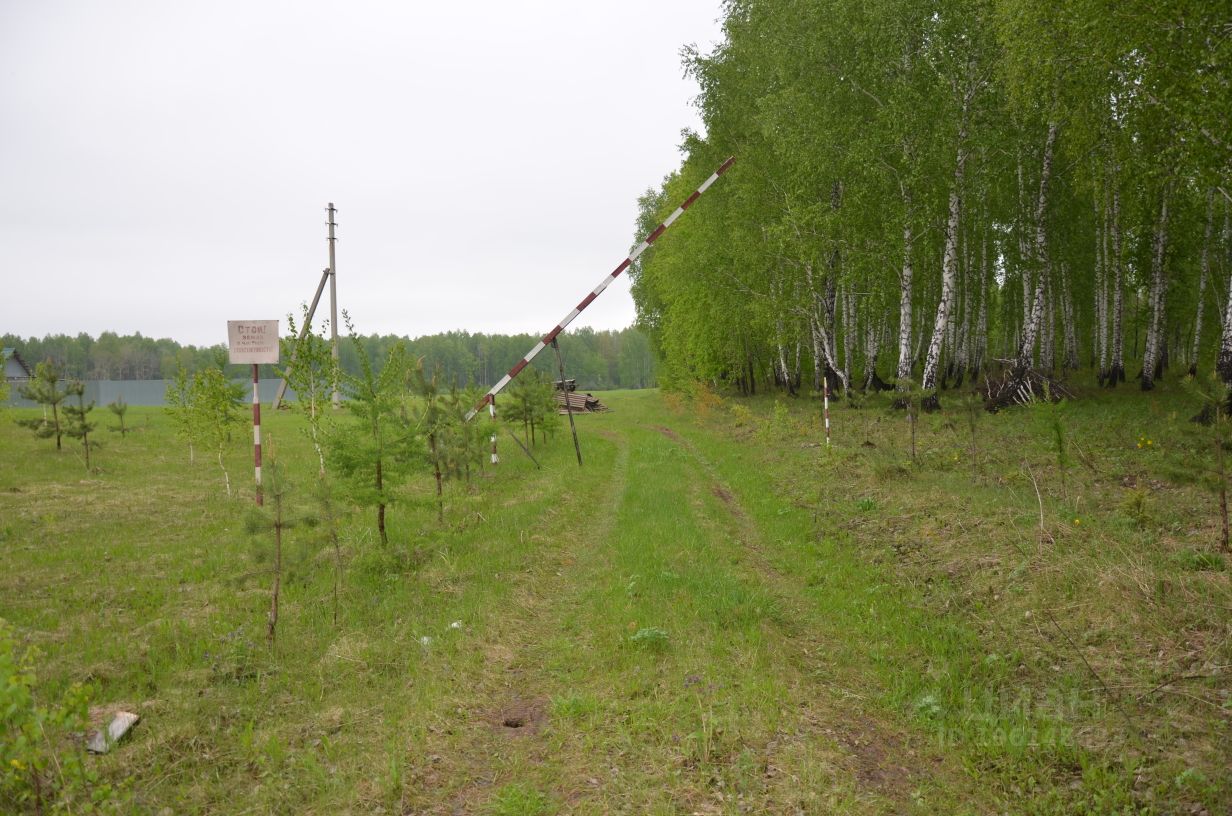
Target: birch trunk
818 354
949 266
1048 322
962 350
1116 370
1152 353
1031 324
1024 248
849 330
872 348
795 376
1101 291
1069 334
822 315
951 349
981 330
1223 363
905 358
1196 348
226 477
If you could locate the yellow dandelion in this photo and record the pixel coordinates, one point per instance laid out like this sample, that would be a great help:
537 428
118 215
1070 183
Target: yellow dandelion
1139 444
1077 521
1148 442
16 763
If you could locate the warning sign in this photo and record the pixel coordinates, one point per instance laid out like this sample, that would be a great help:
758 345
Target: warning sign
252 341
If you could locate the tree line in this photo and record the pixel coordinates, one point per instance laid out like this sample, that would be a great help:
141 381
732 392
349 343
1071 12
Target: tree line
596 359
927 190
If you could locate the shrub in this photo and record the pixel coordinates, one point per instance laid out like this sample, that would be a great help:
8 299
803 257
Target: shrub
42 762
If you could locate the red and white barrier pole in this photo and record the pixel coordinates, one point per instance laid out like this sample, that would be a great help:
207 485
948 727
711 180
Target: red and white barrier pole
825 400
492 413
598 290
256 429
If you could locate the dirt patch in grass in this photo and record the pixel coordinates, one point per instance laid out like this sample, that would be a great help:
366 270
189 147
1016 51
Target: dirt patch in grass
668 432
874 752
520 717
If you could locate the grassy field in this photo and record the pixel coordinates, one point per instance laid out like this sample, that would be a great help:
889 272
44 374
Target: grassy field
715 615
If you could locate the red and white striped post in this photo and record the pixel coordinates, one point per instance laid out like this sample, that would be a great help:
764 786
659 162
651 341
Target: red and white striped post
492 414
598 290
256 428
825 401
253 342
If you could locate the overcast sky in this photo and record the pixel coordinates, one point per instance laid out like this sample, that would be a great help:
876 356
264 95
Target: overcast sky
164 166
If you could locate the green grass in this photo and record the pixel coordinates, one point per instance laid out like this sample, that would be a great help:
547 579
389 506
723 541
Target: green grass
714 615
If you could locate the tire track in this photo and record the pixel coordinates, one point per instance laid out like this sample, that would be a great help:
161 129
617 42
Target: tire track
881 754
499 724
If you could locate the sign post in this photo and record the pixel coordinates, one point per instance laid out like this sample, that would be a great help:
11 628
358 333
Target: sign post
254 342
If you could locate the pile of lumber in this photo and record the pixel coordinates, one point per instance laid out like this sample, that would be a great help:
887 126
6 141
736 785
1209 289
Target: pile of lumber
580 403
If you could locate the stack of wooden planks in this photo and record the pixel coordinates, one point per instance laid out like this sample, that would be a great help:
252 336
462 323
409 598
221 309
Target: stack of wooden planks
580 403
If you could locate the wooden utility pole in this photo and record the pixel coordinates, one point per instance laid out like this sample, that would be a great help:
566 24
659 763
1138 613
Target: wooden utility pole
333 303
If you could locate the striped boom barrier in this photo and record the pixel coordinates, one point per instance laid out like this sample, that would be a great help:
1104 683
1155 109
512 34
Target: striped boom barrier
598 290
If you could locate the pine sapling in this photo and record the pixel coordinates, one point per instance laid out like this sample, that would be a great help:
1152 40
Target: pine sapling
119 408
276 521
371 453
77 422
46 390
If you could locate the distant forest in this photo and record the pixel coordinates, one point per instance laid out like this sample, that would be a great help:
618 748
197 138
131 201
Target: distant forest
596 359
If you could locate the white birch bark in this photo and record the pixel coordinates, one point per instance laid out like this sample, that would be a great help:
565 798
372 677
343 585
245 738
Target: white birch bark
981 331
905 357
821 318
795 375
1116 369
1031 323
872 348
949 266
1101 291
1069 333
849 331
1223 363
1203 273
1154 333
962 349
1048 322
1024 248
